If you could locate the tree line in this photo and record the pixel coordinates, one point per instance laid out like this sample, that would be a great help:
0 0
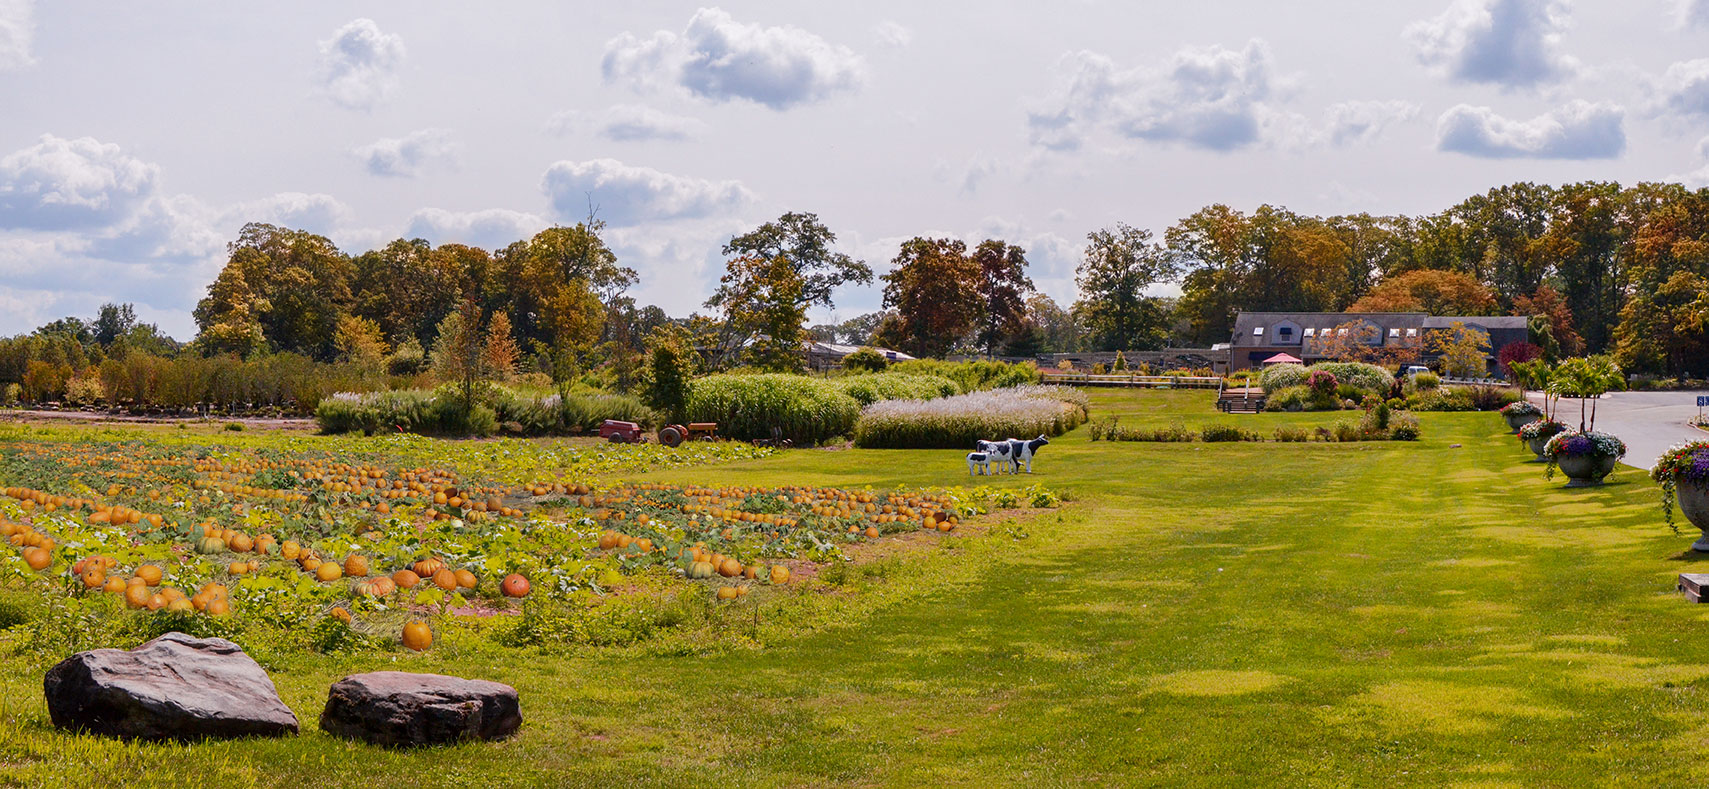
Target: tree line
1599 268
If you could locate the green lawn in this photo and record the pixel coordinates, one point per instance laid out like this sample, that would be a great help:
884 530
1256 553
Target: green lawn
1256 614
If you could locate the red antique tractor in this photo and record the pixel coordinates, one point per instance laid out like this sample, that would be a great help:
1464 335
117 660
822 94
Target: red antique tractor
674 435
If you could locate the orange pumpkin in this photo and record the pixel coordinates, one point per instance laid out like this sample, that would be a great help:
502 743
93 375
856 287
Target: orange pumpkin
445 579
328 572
417 636
515 585
426 568
465 579
355 566
406 579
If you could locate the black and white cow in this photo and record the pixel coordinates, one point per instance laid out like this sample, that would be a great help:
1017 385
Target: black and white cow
1023 451
977 463
1001 453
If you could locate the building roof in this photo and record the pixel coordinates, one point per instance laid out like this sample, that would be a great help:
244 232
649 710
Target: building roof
1245 324
1486 321
838 350
1283 358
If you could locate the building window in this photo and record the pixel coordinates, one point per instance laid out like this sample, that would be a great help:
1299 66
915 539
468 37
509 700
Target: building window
1258 331
1309 332
1412 332
1394 332
1285 332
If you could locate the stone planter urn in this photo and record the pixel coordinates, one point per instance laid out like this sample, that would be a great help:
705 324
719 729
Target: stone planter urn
1517 421
1536 445
1587 469
1693 500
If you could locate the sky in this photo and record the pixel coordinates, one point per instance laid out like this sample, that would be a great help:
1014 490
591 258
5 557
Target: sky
137 138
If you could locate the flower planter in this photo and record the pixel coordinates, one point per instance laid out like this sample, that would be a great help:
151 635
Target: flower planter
1536 445
1517 421
1693 498
1586 470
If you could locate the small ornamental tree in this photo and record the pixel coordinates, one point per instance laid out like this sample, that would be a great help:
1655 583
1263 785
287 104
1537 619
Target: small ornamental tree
1463 350
1322 382
1120 364
669 369
1516 352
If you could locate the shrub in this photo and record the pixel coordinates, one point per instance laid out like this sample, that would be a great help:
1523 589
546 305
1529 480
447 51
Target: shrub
869 389
1425 381
1322 381
974 375
10 394
84 390
1292 434
1448 398
954 422
1367 377
1221 432
748 406
1299 398
1491 398
1282 376
1404 427
865 360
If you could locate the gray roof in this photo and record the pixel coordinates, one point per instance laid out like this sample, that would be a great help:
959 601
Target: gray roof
1246 322
1486 321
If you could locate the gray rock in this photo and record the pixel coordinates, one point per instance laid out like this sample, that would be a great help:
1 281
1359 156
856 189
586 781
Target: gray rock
172 688
400 708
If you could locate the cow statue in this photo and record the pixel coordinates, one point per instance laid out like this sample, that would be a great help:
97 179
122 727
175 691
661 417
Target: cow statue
977 463
1023 452
1001 453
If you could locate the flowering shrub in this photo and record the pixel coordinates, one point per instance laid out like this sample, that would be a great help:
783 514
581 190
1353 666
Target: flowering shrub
1322 381
1542 428
1282 376
1687 462
1521 408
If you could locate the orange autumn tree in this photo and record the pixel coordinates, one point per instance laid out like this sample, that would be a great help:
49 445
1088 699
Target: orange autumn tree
1361 341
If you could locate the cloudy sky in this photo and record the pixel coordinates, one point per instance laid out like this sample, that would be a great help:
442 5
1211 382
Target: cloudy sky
136 138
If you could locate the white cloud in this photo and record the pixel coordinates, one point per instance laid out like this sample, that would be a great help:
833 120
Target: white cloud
65 184
1358 122
493 228
629 123
720 59
410 155
627 195
892 35
1510 43
1684 89
17 33
1211 98
1693 13
321 214
1580 130
359 65
1698 178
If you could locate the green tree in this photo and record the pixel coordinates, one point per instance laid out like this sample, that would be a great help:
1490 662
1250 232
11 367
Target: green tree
668 372
805 245
1119 266
865 360
459 356
1003 287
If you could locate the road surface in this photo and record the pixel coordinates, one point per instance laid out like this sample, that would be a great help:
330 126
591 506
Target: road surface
1649 422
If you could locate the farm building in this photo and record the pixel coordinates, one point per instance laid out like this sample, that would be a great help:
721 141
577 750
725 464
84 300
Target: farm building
1259 336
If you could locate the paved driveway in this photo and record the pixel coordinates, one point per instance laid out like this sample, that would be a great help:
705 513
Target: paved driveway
1649 422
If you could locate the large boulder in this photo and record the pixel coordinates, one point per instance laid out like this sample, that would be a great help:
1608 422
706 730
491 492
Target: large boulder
400 708
172 688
